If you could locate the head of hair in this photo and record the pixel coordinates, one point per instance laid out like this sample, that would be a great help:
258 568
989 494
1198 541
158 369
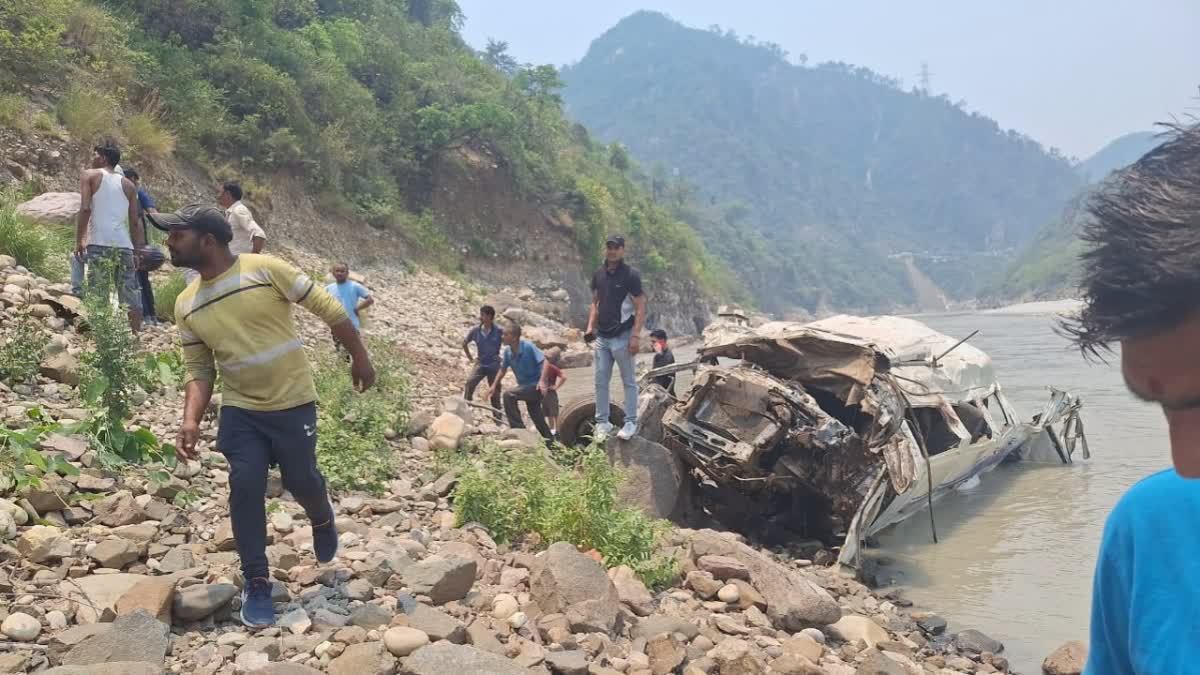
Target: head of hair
110 152
1142 229
513 331
132 174
233 188
488 310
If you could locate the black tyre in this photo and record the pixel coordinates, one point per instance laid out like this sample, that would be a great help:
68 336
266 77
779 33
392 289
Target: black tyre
577 420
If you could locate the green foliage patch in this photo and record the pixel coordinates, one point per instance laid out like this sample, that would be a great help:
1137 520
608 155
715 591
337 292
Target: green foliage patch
24 346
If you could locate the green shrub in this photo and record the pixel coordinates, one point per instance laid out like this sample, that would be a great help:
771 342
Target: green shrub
25 340
12 111
352 447
44 122
42 250
517 492
111 372
147 138
88 114
166 290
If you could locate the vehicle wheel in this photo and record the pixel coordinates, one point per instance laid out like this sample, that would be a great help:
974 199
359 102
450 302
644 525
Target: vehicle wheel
577 420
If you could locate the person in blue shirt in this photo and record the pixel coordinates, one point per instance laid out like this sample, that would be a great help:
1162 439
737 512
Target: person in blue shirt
1141 290
353 296
145 205
528 365
487 339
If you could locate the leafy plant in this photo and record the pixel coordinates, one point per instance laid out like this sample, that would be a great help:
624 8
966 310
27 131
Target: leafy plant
21 464
111 370
512 493
147 138
163 369
42 250
12 111
88 114
25 339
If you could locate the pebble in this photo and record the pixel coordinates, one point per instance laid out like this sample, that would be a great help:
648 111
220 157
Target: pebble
21 627
729 594
402 640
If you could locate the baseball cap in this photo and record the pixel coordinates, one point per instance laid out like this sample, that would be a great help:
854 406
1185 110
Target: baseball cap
658 334
615 239
199 217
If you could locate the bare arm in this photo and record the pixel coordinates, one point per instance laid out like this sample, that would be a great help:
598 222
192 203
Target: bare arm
85 211
256 244
639 320
366 302
197 395
593 314
467 347
136 233
361 370
495 389
562 379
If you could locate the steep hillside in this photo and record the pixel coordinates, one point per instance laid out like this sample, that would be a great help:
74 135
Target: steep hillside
832 168
341 117
1048 268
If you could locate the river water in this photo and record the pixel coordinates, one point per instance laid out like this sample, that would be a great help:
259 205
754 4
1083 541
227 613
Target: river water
1016 552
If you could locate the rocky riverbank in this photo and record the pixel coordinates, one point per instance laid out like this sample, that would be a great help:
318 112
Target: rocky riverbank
109 571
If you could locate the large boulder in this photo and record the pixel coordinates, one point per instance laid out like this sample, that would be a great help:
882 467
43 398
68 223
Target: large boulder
448 659
794 601
152 594
1068 659
62 367
653 476
446 431
101 592
632 591
119 509
365 658
134 637
42 543
853 628
975 642
544 338
567 581
57 208
441 578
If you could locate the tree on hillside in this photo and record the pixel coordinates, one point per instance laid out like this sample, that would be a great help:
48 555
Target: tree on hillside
496 55
542 84
618 157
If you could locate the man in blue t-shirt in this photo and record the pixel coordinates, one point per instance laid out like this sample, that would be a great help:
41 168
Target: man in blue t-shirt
145 205
487 338
1141 290
353 296
528 365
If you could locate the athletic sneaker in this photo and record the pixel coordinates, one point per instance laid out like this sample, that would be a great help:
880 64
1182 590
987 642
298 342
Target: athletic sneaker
257 609
602 431
627 432
325 538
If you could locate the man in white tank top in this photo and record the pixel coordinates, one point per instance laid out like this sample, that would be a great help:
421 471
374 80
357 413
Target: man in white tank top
107 228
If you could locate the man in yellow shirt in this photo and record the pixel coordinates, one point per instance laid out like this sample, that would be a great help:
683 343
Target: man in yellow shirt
237 319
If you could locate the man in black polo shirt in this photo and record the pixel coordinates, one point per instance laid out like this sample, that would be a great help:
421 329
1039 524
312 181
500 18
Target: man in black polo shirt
618 312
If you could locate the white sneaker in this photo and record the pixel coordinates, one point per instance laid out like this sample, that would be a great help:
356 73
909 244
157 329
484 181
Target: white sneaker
627 432
602 432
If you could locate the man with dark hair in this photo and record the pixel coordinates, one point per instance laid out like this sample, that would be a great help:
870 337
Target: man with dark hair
353 296
617 314
237 319
248 237
487 337
1141 290
107 231
145 205
662 358
529 366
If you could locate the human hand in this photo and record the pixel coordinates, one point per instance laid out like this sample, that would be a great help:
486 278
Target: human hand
79 251
542 388
186 439
362 373
589 337
635 344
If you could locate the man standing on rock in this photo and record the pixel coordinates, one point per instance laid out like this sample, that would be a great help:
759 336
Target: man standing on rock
618 313
487 337
528 365
107 230
237 319
1141 289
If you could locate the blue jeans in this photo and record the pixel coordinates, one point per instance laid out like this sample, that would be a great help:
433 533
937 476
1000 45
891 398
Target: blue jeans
609 350
76 275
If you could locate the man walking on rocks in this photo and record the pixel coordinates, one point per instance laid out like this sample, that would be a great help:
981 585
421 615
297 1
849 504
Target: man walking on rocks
1141 289
487 337
618 313
528 365
107 230
237 319
353 296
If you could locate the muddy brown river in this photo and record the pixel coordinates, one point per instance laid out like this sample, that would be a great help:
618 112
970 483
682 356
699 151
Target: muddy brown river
1016 552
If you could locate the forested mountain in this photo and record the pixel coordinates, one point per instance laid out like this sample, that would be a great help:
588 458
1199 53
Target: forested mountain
361 100
814 176
1048 268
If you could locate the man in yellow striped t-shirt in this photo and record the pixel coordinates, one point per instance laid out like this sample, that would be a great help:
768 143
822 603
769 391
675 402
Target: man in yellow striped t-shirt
236 319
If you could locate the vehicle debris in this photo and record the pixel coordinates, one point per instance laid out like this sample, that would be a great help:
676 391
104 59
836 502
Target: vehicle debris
836 429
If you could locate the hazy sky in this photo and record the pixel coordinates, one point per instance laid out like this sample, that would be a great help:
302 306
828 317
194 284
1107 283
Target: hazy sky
1070 73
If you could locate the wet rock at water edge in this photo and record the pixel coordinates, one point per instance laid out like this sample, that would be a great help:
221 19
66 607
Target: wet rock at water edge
1068 659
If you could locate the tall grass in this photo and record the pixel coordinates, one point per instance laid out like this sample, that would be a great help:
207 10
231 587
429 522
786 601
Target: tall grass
165 293
13 111
87 114
517 492
42 249
147 138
